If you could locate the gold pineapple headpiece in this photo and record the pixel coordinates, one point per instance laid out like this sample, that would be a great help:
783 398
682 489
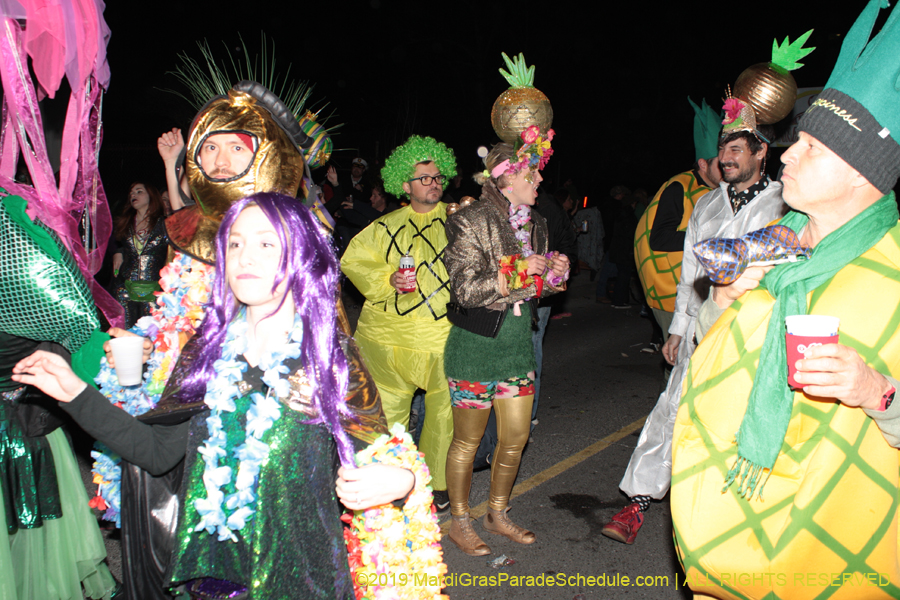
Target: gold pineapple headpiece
765 93
522 116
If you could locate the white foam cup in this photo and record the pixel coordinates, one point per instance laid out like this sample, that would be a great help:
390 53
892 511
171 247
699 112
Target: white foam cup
811 325
128 353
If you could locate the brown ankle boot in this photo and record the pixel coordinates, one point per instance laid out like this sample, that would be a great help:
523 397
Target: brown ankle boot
463 535
497 522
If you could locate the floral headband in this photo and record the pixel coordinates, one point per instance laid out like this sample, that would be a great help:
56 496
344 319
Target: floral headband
533 151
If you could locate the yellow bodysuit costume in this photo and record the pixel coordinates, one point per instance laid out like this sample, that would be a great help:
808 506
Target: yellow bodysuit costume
402 336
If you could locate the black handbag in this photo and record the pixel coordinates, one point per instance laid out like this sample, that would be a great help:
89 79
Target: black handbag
481 320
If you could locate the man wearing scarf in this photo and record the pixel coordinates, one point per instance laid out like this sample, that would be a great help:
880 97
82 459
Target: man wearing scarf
783 494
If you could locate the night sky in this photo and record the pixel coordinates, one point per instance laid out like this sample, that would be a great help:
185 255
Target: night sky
618 75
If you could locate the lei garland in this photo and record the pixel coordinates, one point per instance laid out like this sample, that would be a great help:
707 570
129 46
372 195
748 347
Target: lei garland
385 543
514 267
178 310
401 164
221 394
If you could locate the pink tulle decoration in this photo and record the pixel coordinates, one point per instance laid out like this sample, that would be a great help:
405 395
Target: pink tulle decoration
62 38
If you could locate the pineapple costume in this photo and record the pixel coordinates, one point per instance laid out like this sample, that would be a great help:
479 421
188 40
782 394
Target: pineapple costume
659 271
805 505
829 515
402 336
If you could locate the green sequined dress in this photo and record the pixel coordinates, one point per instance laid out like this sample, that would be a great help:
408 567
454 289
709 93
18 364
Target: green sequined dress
294 546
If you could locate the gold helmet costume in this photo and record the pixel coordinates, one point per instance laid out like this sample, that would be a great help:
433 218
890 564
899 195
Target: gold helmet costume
278 163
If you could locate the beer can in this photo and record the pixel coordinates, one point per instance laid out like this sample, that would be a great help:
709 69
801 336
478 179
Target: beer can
407 265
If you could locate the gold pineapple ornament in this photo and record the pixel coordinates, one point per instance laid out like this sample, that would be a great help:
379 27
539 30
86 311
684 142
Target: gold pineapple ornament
522 105
769 87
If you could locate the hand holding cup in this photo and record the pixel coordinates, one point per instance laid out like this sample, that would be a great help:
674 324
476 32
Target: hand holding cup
803 333
116 332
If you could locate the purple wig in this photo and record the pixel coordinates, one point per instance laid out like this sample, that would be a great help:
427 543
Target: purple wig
311 271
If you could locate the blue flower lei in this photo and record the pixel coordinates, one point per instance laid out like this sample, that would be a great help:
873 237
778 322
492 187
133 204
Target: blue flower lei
185 282
227 514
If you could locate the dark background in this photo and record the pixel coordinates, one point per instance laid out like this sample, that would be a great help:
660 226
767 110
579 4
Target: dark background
618 74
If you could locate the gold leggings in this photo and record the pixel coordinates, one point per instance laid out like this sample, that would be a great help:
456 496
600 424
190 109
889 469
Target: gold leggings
513 428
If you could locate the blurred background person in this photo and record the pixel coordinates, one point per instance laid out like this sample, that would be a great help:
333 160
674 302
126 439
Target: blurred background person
141 251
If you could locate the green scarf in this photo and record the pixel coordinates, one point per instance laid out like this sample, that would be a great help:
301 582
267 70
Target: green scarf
768 414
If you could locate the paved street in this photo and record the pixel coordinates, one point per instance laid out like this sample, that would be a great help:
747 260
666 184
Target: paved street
597 389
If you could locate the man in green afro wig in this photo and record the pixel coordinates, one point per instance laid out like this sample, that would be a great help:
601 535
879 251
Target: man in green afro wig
400 166
403 326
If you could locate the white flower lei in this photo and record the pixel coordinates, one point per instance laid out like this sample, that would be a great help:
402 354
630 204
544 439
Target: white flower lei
228 514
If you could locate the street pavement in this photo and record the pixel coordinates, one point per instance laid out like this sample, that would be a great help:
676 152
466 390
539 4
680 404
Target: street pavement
597 388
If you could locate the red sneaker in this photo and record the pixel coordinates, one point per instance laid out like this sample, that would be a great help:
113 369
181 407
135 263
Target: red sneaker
625 525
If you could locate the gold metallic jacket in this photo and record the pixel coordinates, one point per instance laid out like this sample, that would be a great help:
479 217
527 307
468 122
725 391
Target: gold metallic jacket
478 236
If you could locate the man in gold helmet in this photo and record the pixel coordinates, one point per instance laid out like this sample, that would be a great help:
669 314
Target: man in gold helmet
239 144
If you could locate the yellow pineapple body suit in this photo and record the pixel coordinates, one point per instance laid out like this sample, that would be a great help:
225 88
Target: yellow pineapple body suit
827 526
402 336
660 271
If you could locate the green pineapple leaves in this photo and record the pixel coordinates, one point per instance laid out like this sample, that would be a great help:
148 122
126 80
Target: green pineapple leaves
519 75
786 55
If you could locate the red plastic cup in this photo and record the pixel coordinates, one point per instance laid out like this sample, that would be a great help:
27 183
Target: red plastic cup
805 332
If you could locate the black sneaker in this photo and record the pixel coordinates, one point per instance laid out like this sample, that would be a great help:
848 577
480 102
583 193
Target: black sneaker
441 501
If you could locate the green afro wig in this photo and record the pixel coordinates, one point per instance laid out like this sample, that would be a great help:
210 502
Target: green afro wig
401 164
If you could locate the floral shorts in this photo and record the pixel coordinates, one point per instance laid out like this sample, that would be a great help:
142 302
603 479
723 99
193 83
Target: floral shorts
481 394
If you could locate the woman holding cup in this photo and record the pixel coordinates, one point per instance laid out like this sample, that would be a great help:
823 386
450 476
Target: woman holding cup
257 407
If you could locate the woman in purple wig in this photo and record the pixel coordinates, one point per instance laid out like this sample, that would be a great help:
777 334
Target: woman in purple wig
267 400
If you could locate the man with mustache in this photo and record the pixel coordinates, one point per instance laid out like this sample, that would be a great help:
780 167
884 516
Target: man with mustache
403 326
781 492
746 200
226 155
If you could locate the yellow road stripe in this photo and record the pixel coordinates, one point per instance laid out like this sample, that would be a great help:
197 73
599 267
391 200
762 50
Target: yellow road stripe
560 467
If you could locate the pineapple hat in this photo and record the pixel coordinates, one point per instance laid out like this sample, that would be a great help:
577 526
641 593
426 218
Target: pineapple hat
856 114
707 124
522 116
765 93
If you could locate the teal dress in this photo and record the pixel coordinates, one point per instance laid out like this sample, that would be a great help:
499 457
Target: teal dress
294 545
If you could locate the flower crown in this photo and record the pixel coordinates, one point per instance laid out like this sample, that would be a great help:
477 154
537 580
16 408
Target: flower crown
532 151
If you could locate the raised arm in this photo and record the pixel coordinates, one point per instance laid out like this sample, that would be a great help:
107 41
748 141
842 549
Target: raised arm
170 144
